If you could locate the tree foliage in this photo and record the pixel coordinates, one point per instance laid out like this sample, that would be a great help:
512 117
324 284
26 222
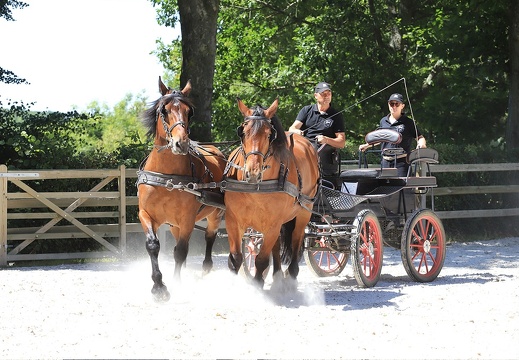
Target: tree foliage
72 140
453 56
6 6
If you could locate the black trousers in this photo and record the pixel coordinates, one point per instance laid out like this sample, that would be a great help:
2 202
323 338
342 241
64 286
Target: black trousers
328 160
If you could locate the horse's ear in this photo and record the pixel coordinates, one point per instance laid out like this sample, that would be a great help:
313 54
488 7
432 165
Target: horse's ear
187 89
243 108
271 111
162 88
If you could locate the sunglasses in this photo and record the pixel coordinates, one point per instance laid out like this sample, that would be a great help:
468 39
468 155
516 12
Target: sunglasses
397 104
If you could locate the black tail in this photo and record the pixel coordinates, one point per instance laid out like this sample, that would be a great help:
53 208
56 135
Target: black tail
285 239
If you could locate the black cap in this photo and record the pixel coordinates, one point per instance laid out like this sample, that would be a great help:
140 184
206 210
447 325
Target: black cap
396 97
322 86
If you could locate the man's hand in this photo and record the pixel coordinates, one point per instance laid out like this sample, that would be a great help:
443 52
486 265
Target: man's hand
363 147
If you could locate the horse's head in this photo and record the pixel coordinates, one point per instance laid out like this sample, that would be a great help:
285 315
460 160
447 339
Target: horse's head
172 113
257 133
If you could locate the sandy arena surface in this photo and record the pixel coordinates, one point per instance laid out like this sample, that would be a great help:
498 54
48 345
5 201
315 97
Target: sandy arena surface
105 310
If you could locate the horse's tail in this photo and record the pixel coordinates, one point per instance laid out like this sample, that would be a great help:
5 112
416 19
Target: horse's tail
285 239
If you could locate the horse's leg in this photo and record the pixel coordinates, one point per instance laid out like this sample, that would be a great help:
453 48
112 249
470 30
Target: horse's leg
235 237
297 236
276 257
213 223
159 290
270 241
182 236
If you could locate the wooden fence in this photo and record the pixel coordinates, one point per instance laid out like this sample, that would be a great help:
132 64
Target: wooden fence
73 215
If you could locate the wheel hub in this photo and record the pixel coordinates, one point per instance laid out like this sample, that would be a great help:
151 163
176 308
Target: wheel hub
427 246
371 249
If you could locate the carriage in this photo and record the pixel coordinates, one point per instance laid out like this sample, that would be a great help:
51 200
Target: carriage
361 210
277 204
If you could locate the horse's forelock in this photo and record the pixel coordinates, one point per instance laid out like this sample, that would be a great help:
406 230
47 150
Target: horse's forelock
149 116
280 142
177 96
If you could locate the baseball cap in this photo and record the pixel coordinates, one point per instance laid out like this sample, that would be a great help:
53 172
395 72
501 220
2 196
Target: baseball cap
396 97
322 86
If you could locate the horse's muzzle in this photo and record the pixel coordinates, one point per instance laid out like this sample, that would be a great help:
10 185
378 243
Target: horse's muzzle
253 177
179 147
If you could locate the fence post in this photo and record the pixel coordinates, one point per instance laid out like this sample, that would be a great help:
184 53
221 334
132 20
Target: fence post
3 217
122 210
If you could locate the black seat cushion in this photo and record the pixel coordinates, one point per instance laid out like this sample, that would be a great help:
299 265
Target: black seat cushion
354 175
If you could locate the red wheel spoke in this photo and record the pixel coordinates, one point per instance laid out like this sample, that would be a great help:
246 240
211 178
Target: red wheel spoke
432 259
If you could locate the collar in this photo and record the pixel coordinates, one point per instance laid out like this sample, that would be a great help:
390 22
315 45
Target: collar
315 108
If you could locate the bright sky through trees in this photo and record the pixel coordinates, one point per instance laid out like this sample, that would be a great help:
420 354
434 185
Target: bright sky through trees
75 52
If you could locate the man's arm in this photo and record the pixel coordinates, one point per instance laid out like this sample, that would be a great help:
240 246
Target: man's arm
296 127
338 142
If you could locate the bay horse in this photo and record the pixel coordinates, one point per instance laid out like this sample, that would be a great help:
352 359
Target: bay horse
270 184
168 181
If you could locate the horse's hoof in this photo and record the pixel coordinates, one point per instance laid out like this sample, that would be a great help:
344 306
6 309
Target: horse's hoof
291 284
207 267
160 293
258 283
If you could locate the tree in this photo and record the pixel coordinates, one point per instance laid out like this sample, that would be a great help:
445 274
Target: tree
198 25
7 76
512 126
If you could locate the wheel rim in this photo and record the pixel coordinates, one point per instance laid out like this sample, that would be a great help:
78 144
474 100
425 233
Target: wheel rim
328 261
369 249
426 248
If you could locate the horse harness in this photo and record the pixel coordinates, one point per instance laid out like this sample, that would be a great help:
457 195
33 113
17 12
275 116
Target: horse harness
190 184
281 184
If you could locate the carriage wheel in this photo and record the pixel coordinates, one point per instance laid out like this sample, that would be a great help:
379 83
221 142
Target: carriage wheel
251 245
423 246
367 250
325 263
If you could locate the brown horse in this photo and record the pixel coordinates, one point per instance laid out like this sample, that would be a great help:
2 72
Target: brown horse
271 183
168 181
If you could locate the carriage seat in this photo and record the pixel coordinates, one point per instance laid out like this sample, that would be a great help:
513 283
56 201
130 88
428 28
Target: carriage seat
418 157
367 180
354 175
426 155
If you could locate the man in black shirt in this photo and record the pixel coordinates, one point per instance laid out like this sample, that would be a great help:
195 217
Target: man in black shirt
322 125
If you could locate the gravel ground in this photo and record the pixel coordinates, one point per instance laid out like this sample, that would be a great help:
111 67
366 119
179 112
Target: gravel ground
105 310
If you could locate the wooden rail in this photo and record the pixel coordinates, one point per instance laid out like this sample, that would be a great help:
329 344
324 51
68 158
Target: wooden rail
65 212
464 190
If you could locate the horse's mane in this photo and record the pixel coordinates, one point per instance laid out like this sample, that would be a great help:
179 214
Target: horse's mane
279 144
149 116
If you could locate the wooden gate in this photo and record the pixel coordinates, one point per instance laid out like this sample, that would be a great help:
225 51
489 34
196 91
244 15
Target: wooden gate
53 207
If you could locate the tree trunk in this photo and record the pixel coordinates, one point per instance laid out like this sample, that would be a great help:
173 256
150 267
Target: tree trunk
512 126
198 25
